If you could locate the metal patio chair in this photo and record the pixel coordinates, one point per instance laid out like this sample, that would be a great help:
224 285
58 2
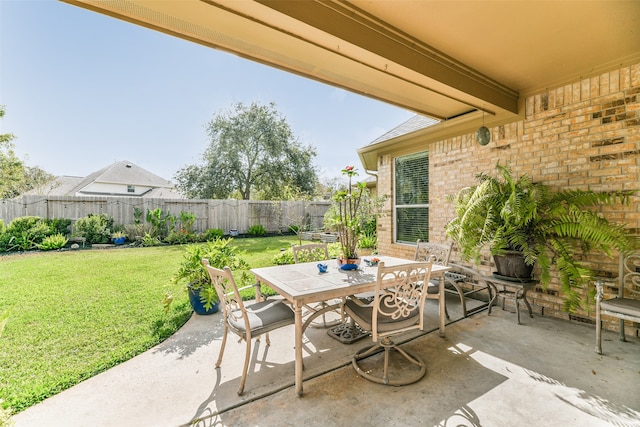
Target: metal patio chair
397 307
441 253
315 252
624 306
247 321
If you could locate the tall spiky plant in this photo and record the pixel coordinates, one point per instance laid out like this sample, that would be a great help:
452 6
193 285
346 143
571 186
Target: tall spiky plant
350 215
548 227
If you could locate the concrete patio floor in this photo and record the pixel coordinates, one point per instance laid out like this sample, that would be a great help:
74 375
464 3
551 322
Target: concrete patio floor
487 371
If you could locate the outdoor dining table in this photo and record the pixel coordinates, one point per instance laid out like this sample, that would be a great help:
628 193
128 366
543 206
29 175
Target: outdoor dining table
302 284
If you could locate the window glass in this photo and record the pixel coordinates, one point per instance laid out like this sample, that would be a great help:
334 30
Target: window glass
131 189
412 197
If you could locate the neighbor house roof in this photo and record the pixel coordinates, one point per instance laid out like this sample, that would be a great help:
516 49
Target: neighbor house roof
125 172
119 173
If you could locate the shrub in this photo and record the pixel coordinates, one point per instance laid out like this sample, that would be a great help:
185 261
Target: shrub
59 226
24 233
5 240
212 234
284 257
95 228
186 221
367 240
370 226
257 230
150 240
161 222
55 241
136 232
180 237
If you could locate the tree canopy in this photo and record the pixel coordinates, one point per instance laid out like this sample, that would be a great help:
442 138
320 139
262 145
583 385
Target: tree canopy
252 152
15 176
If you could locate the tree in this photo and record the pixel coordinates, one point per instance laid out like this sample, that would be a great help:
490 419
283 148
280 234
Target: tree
252 149
15 176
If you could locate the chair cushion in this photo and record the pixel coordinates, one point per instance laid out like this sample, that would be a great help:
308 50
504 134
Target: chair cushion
630 307
263 317
362 316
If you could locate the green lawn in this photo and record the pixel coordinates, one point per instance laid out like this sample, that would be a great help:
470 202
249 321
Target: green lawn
75 314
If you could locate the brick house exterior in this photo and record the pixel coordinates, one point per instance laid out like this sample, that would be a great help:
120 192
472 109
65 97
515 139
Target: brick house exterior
582 135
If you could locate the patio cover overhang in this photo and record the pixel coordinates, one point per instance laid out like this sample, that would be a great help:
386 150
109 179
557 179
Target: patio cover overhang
455 61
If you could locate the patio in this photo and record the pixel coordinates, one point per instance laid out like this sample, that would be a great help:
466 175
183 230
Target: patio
487 371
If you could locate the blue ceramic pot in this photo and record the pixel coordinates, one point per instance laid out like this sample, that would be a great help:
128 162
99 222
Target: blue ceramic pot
348 263
198 306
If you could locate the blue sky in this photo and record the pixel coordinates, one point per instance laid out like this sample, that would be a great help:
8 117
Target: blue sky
83 90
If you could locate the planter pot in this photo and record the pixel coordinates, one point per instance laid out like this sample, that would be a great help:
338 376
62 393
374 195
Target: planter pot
365 251
118 240
511 265
198 306
328 237
348 263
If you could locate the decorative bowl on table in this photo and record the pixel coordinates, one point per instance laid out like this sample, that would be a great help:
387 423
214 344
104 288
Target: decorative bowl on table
372 262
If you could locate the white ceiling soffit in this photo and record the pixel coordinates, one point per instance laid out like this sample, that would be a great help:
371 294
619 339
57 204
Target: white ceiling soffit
398 74
439 58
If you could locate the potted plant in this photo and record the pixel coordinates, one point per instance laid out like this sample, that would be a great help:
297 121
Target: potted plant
118 238
352 207
202 293
368 238
520 219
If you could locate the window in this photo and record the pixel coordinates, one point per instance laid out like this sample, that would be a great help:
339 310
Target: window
411 207
131 188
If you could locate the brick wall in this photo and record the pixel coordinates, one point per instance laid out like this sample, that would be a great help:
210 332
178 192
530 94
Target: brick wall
583 135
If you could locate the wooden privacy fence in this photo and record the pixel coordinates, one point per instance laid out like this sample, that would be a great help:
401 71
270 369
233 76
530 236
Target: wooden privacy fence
226 215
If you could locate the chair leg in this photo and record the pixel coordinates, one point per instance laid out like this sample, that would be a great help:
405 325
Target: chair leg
621 327
463 300
247 356
224 342
387 345
598 330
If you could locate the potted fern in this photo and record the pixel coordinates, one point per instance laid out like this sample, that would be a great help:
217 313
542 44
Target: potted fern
517 218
